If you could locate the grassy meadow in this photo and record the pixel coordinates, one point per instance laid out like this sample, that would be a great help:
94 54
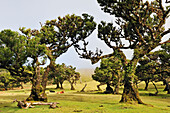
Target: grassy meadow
90 101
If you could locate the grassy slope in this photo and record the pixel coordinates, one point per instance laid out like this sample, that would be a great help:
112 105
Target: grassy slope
87 102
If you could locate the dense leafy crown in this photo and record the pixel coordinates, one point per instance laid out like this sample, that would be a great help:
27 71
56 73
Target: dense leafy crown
110 71
59 35
15 49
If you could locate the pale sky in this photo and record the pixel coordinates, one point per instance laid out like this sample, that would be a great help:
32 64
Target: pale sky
28 13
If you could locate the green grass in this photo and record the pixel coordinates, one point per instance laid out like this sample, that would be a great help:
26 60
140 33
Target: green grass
87 102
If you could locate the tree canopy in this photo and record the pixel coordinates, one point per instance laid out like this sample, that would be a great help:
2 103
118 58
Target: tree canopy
58 36
155 67
139 26
110 72
62 73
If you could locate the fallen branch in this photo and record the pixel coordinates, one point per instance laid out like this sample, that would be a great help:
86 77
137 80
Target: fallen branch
25 105
83 88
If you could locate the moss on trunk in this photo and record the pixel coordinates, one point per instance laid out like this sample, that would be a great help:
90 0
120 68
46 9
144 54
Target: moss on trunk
37 95
37 91
130 91
130 94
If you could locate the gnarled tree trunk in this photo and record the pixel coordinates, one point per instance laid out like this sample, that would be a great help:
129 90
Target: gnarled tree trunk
130 91
45 77
37 90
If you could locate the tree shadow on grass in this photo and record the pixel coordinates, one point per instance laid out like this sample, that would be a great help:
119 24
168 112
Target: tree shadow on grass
158 95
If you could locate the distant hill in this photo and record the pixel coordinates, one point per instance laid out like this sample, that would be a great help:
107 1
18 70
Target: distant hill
86 72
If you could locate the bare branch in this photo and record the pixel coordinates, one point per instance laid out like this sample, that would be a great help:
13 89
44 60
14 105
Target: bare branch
165 32
168 41
161 7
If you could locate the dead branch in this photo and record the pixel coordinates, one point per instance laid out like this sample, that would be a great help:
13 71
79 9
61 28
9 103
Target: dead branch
83 88
25 105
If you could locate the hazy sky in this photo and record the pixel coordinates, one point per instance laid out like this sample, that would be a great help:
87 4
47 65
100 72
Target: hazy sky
28 13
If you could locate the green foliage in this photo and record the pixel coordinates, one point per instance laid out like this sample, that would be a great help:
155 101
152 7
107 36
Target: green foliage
15 49
6 80
62 33
110 71
146 70
12 50
140 23
58 36
62 73
155 66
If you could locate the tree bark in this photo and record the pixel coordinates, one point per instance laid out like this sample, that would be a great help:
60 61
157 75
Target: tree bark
130 91
6 86
116 90
146 85
98 86
58 86
26 105
155 88
72 87
21 85
45 77
167 87
61 84
37 93
82 90
109 90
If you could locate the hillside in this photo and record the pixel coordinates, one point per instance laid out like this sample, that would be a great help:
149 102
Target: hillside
86 74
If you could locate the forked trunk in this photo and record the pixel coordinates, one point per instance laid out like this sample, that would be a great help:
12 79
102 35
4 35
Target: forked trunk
71 83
